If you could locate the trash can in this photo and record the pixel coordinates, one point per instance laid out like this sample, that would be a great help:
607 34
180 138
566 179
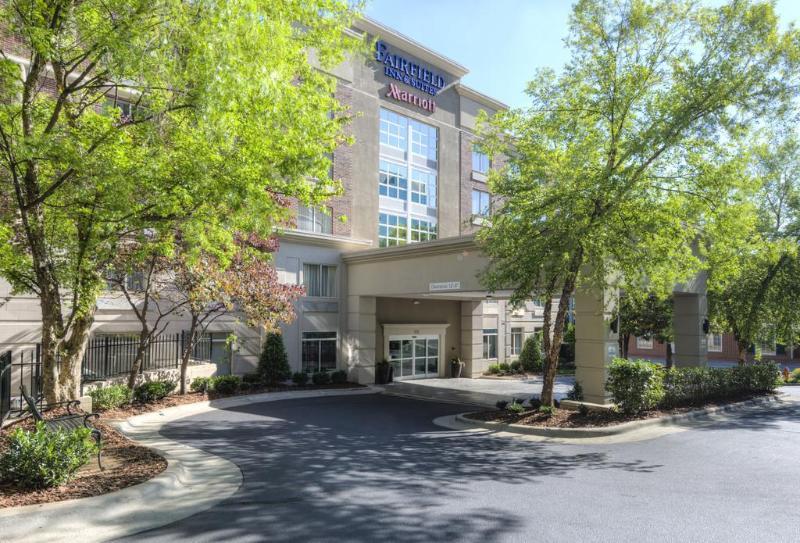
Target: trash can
456 367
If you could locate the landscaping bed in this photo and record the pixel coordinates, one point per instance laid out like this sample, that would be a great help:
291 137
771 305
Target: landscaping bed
126 464
564 418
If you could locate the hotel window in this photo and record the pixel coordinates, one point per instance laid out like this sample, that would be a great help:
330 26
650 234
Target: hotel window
319 280
480 161
423 139
319 351
481 205
422 230
392 230
644 343
394 129
314 219
714 343
490 343
407 180
516 340
393 180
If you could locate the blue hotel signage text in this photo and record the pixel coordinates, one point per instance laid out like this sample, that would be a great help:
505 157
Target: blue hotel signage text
410 73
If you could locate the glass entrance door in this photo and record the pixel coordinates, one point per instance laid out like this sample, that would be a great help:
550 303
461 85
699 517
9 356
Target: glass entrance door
414 357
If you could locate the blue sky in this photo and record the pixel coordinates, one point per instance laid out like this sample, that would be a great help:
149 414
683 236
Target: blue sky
523 34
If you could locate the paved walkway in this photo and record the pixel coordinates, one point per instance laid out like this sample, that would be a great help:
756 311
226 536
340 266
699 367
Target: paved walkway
482 392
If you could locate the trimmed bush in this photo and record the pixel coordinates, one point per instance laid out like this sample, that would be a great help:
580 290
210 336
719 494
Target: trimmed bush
273 366
576 393
635 385
321 378
531 357
501 404
516 366
226 384
43 458
691 386
493 369
505 367
200 384
252 379
300 378
110 397
794 376
515 407
339 377
153 391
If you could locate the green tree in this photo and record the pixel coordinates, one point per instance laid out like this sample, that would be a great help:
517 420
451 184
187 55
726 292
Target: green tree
531 355
754 279
645 315
273 365
612 171
122 119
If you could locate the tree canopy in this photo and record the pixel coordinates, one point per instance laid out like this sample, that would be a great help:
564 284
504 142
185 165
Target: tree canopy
618 163
124 120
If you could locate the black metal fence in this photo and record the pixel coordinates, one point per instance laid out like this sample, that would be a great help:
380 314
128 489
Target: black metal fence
105 357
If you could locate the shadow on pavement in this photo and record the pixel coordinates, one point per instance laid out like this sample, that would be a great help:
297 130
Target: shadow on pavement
363 468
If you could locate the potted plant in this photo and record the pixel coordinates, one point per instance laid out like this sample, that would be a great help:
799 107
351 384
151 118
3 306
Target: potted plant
456 366
382 370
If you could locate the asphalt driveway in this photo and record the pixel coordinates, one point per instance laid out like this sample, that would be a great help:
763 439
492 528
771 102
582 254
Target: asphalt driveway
375 468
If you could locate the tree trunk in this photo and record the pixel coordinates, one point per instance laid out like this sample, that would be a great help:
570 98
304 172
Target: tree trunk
70 370
141 350
626 342
742 347
187 351
669 354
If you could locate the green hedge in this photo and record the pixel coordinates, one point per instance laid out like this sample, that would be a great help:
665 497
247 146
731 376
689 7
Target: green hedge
43 458
153 391
638 385
110 397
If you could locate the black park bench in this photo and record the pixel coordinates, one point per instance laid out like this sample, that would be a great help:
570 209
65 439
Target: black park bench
70 421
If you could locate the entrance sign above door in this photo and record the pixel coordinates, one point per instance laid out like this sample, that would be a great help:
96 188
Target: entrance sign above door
445 285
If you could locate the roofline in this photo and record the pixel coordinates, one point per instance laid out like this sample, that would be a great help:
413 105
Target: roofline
469 92
413 47
454 244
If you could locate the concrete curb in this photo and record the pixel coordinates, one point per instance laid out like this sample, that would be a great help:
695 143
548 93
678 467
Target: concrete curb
194 481
616 429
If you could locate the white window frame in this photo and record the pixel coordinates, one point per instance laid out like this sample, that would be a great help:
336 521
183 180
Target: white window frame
480 211
421 228
321 220
712 347
489 333
645 344
388 170
484 164
393 133
332 336
321 286
517 332
392 241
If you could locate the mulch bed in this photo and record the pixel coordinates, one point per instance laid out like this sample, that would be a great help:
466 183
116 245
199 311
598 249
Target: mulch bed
563 418
125 462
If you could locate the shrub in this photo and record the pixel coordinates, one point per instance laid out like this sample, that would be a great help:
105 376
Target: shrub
576 393
339 377
273 366
493 369
153 391
547 410
504 367
635 385
300 378
531 357
794 376
516 366
535 402
501 405
688 386
226 384
111 396
200 384
515 407
321 378
252 379
43 458
583 410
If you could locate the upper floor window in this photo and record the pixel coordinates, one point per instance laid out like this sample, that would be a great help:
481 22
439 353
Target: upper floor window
314 219
480 161
392 230
423 139
481 204
393 180
319 280
394 129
